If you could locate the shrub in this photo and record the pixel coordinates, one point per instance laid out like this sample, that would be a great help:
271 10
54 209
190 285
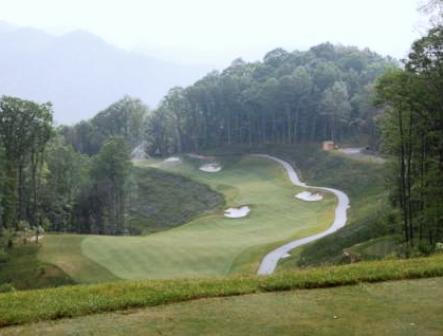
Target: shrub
7 287
3 256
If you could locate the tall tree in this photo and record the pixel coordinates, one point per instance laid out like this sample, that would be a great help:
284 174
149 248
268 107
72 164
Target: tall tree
24 130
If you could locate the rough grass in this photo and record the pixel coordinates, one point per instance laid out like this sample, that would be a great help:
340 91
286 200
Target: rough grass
212 245
24 271
71 301
363 181
162 200
390 308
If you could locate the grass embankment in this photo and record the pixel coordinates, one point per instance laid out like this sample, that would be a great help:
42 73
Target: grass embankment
71 301
212 245
24 271
392 308
65 251
161 200
362 180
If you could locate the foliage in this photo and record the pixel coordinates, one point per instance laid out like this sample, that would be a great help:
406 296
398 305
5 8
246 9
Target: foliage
320 94
412 130
6 287
109 193
70 301
25 128
125 118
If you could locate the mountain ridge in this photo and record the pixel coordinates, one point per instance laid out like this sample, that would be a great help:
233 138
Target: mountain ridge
81 73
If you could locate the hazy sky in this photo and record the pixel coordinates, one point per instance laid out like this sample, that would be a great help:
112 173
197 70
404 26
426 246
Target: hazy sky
217 31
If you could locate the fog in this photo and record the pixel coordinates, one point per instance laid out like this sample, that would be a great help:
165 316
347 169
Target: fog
215 32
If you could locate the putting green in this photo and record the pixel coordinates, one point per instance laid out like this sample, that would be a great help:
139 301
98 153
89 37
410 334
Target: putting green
213 245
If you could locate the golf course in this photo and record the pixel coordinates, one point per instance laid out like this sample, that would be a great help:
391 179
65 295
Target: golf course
210 244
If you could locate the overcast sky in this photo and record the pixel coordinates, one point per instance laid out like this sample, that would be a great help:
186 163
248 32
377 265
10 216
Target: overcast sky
217 31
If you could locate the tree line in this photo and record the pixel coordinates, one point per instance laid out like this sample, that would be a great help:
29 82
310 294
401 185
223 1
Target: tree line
45 182
412 132
290 97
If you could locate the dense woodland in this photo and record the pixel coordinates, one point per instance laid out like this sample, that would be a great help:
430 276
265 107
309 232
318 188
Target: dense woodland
78 178
290 97
412 131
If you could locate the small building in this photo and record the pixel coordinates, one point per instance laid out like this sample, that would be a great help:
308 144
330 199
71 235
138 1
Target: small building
328 145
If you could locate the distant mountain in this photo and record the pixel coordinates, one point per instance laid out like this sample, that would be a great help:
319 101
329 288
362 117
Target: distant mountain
80 73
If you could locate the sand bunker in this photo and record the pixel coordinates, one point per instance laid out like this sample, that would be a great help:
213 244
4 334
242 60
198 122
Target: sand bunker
211 168
172 159
309 197
237 212
351 150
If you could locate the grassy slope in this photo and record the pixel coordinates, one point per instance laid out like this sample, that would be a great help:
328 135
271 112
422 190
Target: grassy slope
64 250
70 301
162 200
362 180
213 245
24 271
392 308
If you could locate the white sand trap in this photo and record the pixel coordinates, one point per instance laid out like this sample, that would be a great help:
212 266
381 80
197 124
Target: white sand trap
237 212
351 150
211 168
172 159
309 197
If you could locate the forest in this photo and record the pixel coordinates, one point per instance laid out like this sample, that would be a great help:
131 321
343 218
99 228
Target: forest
78 178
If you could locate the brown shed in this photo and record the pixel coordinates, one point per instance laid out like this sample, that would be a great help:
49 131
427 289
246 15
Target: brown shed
328 145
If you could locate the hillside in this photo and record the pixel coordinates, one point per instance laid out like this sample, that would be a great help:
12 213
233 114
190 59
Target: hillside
73 70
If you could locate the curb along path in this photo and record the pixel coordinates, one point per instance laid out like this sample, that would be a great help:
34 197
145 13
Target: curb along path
270 261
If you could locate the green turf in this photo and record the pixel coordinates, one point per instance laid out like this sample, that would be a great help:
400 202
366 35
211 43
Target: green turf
64 250
24 271
212 245
362 180
70 301
394 308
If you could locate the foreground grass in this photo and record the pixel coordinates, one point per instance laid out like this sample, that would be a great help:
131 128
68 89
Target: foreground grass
390 308
71 301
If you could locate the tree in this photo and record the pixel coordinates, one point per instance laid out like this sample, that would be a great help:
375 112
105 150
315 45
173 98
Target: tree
336 107
25 128
110 172
413 133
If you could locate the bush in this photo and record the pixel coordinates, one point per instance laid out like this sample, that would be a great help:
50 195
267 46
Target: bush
3 256
7 287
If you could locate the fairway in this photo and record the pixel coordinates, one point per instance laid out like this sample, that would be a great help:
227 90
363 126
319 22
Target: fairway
212 245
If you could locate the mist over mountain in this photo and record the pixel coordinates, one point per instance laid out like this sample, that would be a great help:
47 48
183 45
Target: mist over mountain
82 74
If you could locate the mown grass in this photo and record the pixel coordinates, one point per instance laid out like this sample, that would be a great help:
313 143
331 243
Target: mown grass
365 184
407 307
65 251
211 245
70 301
